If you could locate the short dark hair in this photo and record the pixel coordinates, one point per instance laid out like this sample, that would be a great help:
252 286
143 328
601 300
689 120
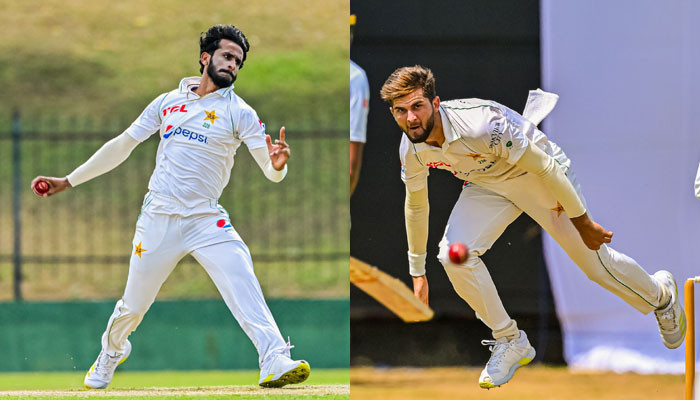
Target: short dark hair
209 42
405 80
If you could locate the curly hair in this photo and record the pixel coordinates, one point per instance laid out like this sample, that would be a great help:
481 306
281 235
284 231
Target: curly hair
209 42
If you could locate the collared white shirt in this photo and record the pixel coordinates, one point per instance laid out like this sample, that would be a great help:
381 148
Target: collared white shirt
483 141
359 103
198 139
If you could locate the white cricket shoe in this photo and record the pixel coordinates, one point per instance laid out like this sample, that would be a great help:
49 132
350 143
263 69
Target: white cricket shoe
281 370
506 357
671 318
100 374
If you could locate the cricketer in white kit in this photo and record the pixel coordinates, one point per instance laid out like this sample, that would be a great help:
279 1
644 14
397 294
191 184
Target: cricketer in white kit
509 167
359 110
201 125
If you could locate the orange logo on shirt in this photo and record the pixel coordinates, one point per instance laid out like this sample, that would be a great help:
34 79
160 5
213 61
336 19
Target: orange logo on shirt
475 156
211 116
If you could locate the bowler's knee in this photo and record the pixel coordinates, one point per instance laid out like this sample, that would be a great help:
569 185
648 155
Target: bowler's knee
444 258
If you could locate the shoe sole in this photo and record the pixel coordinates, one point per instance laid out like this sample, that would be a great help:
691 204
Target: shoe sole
296 375
522 362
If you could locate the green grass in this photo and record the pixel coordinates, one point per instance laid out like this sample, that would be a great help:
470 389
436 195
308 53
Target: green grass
147 380
143 379
106 58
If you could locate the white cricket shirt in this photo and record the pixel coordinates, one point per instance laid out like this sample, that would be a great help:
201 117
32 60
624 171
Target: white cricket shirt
198 140
359 103
483 141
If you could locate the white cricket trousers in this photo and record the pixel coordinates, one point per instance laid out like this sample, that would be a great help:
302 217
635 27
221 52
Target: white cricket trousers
483 212
167 231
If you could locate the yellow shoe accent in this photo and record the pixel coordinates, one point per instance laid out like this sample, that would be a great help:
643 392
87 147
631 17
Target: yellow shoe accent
296 375
486 385
525 361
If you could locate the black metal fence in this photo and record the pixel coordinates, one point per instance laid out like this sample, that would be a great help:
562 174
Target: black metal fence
77 244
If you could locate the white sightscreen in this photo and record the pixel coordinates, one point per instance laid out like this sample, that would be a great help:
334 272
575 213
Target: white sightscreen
629 118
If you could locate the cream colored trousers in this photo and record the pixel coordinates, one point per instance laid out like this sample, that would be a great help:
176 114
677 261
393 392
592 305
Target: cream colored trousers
483 212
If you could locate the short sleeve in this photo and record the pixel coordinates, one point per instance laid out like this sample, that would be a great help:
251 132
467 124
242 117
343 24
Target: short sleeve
251 130
359 108
413 173
148 122
503 133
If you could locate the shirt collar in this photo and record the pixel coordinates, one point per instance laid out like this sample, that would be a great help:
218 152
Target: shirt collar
187 84
447 129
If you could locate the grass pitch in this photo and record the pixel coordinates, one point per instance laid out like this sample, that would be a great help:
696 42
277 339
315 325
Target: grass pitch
322 384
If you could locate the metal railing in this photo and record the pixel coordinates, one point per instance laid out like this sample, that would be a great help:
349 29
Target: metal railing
77 244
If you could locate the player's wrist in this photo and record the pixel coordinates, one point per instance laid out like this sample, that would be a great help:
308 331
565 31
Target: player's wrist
581 221
416 264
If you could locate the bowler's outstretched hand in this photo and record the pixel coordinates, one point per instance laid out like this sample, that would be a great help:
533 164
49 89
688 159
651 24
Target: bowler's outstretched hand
279 151
593 234
420 288
56 185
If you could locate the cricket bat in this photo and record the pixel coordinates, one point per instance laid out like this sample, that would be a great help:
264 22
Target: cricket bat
389 291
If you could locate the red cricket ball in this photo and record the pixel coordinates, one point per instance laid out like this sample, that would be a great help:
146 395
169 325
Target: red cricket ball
41 187
458 253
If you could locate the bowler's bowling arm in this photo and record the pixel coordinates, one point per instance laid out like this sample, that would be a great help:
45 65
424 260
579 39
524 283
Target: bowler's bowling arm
537 162
416 213
108 157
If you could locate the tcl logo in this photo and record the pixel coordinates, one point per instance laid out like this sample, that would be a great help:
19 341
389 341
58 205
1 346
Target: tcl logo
180 108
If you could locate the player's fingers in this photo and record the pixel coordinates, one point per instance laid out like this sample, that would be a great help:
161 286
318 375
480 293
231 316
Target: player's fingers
268 140
282 133
35 181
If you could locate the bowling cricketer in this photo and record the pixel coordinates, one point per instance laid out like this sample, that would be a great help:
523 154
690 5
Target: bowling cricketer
201 125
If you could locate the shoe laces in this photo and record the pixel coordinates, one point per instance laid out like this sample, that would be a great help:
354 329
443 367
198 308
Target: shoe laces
106 363
288 346
667 319
497 349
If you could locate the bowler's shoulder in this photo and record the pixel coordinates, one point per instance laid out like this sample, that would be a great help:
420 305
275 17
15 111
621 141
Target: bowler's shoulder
240 106
470 104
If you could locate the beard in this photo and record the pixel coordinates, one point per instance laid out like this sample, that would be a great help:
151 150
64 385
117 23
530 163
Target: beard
220 78
421 135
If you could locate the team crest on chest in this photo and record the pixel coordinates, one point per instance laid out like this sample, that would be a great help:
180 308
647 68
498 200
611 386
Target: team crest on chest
210 116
